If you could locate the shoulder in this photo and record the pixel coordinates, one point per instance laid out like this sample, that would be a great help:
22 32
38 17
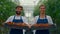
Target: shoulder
11 16
23 16
36 17
48 16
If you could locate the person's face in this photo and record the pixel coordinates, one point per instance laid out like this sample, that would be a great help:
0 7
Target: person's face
18 10
42 9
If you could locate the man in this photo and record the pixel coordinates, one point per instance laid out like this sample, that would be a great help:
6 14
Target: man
17 20
42 20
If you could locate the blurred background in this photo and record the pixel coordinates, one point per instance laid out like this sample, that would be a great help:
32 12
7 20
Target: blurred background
31 9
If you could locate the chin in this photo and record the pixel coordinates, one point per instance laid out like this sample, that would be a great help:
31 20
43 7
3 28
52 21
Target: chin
42 12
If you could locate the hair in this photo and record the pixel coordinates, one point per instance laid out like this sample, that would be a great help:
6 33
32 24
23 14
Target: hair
19 7
42 5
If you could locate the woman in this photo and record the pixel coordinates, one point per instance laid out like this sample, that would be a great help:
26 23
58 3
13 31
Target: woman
44 20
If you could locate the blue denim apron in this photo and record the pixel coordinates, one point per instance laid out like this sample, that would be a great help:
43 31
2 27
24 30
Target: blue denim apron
44 31
17 31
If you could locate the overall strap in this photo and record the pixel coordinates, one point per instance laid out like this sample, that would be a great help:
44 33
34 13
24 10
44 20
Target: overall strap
14 17
20 17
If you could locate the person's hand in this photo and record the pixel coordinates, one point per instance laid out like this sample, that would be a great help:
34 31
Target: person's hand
29 26
36 25
18 24
10 23
23 24
43 25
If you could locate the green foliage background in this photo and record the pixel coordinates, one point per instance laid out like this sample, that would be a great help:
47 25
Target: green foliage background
6 9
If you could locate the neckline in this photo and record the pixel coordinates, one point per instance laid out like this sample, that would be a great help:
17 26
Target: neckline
17 16
43 18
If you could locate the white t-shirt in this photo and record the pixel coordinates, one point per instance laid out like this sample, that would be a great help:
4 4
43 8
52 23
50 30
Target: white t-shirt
48 18
10 19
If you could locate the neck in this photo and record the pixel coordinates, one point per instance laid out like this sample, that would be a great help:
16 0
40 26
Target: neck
17 15
42 15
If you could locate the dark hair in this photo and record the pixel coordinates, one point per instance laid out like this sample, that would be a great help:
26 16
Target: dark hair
19 7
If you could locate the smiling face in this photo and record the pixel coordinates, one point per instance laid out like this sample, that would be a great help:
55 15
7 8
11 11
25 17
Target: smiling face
42 9
19 10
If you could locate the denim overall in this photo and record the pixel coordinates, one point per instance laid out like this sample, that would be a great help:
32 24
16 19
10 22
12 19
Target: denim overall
17 31
44 31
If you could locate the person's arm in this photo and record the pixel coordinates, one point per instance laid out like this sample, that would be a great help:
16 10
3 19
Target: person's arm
49 20
35 21
9 20
25 20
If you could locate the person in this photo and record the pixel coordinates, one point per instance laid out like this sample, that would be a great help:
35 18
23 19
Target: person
42 20
18 20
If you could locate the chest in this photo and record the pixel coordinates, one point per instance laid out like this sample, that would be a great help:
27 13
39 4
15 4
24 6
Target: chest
42 20
18 19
